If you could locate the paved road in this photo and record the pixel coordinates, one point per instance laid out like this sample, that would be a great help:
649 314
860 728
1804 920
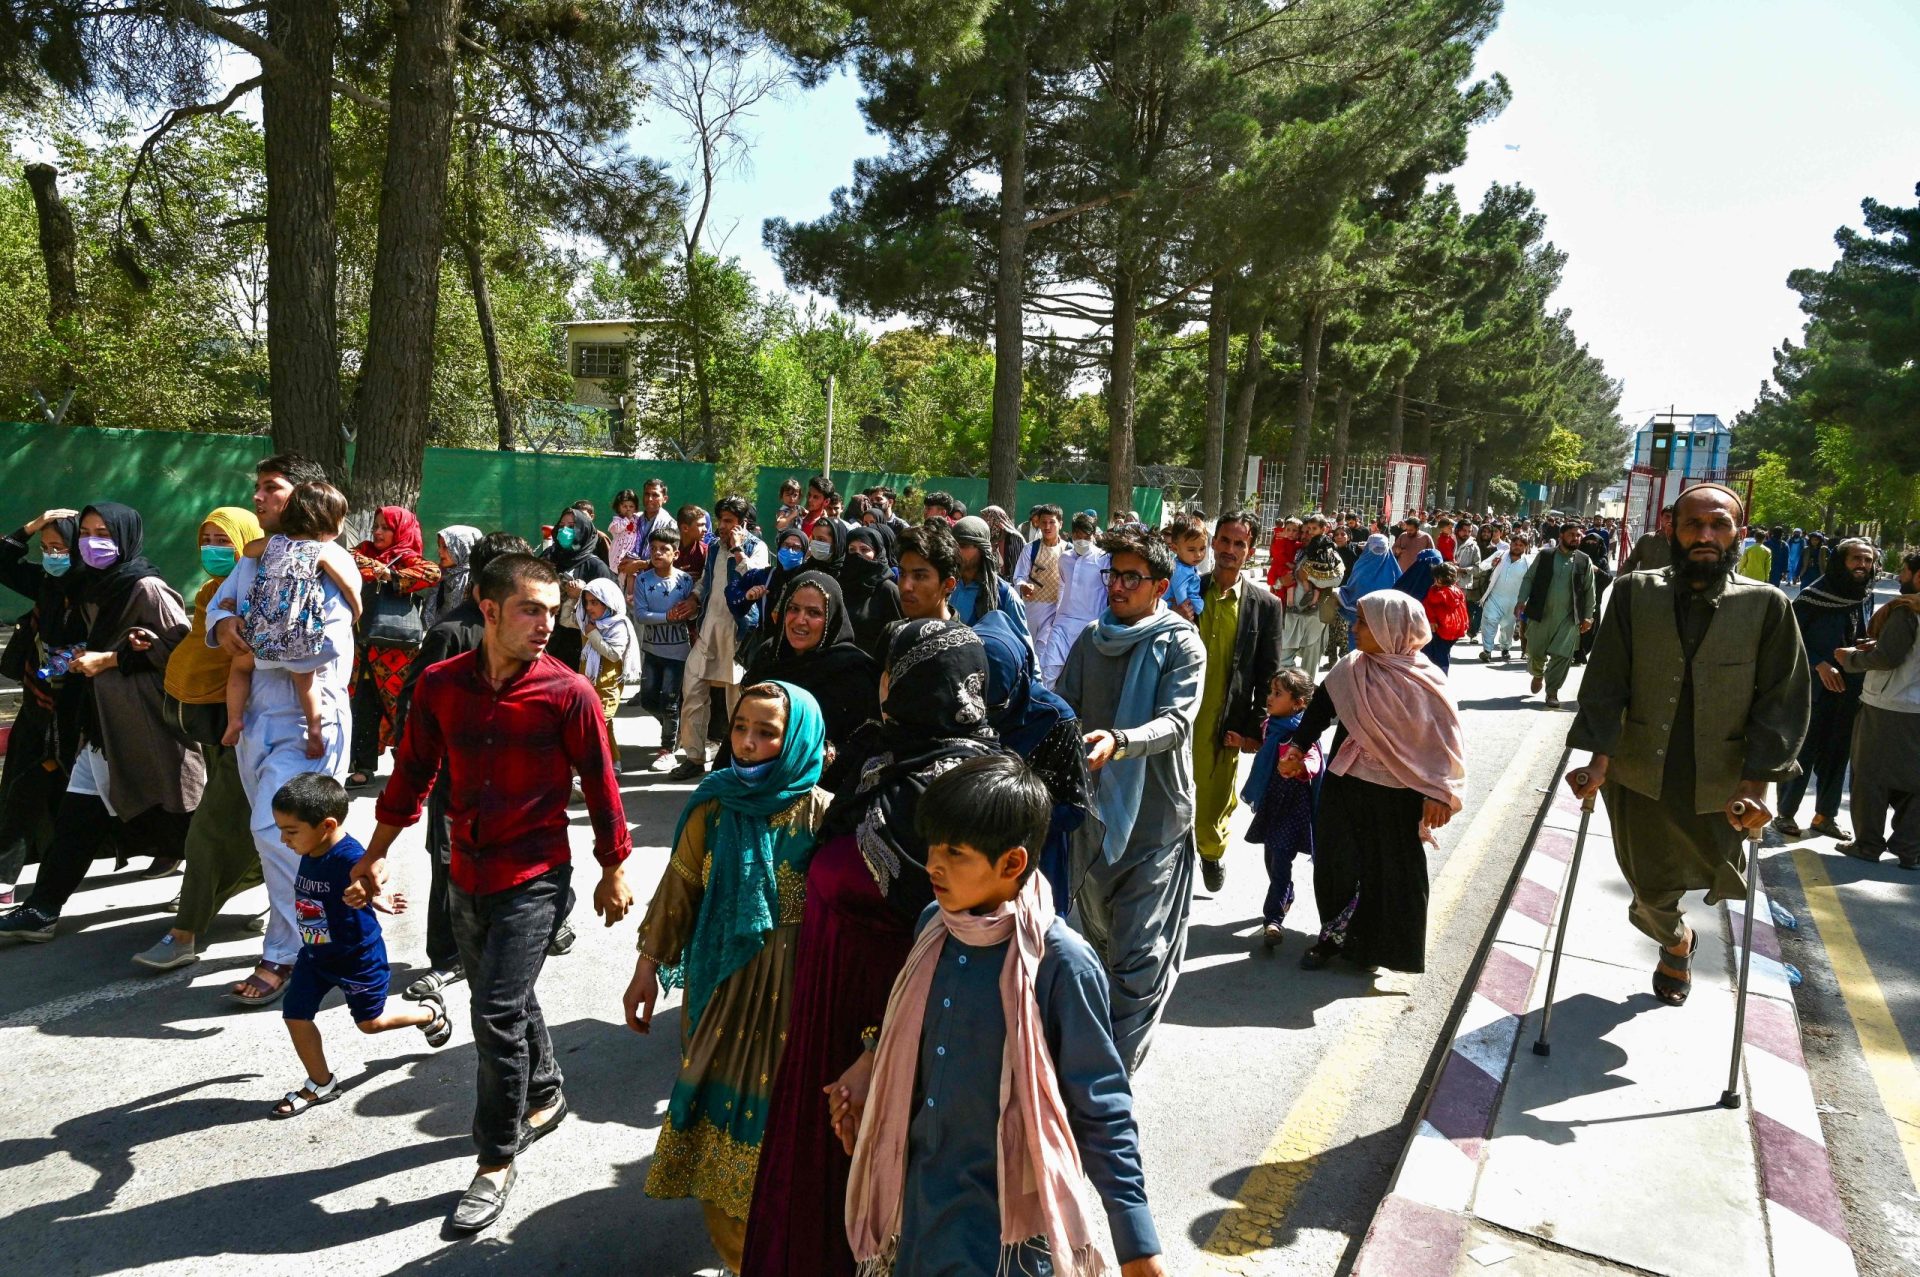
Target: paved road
1274 1104
1859 1010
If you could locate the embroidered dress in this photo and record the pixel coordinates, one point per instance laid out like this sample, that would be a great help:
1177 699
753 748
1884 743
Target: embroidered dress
284 614
709 1146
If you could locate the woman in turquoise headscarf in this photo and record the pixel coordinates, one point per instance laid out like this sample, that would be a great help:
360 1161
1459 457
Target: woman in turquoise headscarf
722 926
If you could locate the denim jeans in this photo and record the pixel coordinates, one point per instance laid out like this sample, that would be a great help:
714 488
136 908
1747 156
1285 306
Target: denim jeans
660 680
503 940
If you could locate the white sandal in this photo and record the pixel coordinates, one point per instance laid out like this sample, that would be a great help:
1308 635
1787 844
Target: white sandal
296 1102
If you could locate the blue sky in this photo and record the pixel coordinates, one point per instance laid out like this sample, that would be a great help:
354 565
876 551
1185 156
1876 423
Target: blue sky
1688 154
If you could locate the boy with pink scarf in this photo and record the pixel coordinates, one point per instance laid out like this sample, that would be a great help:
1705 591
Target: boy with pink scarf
996 986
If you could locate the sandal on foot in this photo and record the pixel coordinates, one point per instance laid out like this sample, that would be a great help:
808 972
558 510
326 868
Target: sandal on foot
294 1103
440 1028
358 780
430 984
160 868
256 992
1673 977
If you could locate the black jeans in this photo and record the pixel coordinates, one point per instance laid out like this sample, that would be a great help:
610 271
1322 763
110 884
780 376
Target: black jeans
503 940
443 951
1823 757
364 748
81 831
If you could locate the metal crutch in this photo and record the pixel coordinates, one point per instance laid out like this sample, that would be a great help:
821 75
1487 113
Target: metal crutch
1542 1046
1730 1098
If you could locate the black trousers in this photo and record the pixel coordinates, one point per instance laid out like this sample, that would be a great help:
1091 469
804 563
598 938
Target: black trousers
443 951
81 830
503 940
1824 755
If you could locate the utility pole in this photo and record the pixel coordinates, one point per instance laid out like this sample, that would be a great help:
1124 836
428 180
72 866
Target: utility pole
826 466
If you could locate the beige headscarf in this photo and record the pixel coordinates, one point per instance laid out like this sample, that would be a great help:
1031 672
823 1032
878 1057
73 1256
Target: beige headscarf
1399 715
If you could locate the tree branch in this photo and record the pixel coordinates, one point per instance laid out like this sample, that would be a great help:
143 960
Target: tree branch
160 130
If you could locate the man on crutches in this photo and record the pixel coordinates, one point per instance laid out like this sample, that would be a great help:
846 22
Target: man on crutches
1695 700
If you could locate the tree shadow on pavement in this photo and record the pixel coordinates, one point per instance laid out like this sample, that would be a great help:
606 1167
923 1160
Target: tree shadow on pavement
1265 990
1270 1205
276 1214
616 1229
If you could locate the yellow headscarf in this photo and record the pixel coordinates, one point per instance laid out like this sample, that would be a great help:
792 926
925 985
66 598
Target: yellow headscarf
196 673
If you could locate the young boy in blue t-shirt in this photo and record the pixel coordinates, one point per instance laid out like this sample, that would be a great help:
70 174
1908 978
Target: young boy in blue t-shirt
341 947
1187 538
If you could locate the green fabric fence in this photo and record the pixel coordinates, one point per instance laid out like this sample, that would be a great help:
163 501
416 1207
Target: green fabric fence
1071 497
173 479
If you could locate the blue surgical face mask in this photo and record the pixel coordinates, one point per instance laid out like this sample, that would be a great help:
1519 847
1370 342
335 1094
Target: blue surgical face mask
792 557
752 771
218 560
56 564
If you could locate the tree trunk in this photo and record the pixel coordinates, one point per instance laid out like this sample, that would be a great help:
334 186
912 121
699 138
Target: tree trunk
395 388
1294 484
1009 290
490 339
56 243
697 355
1423 442
1397 417
1337 462
303 335
1120 380
1233 482
1219 334
1465 497
1441 480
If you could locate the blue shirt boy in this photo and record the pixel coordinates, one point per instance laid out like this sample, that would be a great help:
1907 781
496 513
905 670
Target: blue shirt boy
340 946
1186 587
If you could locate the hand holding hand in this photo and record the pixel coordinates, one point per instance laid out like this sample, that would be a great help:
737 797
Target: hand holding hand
1100 747
369 875
1434 814
847 1100
1293 763
1830 677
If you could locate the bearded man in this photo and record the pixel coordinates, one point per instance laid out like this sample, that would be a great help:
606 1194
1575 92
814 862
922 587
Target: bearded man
1695 699
1886 736
1832 613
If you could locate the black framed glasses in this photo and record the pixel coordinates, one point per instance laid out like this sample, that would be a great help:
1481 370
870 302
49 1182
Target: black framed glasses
1129 580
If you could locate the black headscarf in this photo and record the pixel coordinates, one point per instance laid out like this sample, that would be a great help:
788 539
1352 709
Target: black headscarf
110 589
837 670
836 547
779 577
935 716
873 600
582 562
55 596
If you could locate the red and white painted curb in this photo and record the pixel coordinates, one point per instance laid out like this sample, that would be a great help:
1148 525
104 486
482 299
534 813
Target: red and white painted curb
1420 1225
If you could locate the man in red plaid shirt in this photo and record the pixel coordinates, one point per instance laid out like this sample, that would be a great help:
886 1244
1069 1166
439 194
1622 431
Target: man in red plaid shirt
512 726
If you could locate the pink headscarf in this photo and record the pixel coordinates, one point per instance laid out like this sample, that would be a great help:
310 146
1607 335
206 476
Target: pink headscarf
1399 716
1040 1174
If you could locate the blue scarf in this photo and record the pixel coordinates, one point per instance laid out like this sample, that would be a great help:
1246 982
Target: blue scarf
742 900
1266 763
1374 570
1116 798
1418 578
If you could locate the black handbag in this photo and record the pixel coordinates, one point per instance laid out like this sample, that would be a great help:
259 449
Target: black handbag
392 619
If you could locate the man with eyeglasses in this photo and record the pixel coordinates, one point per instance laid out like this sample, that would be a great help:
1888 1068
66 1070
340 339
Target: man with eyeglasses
1240 625
1134 678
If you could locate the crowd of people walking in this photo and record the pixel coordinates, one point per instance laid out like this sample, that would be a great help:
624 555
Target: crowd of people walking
954 781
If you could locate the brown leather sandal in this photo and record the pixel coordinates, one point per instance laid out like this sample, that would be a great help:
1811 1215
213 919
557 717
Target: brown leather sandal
256 992
1673 977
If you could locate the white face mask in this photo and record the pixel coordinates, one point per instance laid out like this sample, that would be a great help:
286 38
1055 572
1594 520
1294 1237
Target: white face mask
821 550
1083 547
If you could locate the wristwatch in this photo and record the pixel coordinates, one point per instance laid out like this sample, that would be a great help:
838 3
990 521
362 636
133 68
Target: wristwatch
1119 745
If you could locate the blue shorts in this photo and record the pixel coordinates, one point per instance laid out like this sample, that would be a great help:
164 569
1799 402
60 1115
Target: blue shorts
364 984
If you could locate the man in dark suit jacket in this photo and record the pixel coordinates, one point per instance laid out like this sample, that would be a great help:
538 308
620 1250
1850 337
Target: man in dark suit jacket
1239 625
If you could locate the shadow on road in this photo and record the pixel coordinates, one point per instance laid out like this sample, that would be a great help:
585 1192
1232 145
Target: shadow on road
1335 1192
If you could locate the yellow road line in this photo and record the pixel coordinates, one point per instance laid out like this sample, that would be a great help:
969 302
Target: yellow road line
1895 1075
1245 1233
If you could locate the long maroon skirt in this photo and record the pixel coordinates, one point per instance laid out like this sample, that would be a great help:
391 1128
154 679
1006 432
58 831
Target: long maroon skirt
852 945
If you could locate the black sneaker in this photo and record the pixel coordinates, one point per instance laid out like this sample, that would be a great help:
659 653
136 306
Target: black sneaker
1786 827
562 940
24 924
689 770
1486 656
1213 873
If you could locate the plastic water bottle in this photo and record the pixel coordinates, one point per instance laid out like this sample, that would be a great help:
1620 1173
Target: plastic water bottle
1782 916
1793 974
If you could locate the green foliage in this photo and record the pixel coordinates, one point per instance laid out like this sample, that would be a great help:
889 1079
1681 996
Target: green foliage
169 332
1778 497
1503 495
